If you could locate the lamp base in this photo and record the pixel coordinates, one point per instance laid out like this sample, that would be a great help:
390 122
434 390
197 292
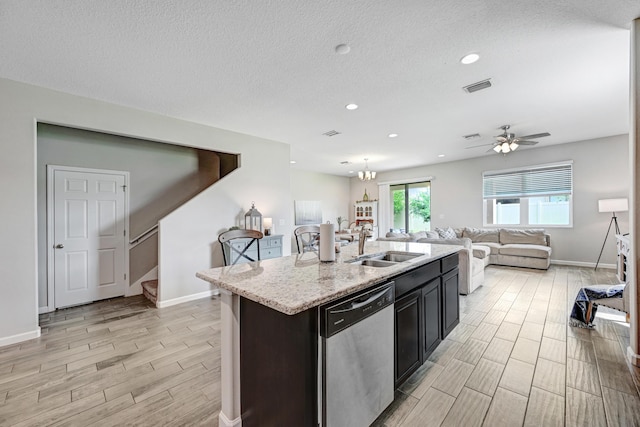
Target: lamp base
267 232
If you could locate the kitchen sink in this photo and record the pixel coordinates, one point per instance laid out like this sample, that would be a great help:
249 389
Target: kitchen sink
374 263
399 256
386 259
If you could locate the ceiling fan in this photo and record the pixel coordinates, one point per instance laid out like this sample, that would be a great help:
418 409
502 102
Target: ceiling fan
507 142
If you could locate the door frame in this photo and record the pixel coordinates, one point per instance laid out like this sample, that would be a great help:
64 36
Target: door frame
51 169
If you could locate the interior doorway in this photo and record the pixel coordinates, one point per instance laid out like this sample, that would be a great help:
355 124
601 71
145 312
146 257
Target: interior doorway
87 228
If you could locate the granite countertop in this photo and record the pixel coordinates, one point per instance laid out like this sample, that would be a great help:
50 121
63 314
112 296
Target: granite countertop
295 283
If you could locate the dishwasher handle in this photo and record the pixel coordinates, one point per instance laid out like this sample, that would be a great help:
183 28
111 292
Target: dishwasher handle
340 316
357 304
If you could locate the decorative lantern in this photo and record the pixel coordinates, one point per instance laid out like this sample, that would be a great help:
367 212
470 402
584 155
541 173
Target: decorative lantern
253 219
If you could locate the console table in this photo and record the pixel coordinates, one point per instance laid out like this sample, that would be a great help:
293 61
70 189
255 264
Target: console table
270 247
624 251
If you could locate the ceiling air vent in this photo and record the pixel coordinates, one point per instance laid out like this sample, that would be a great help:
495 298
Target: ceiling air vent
474 87
346 162
472 136
331 133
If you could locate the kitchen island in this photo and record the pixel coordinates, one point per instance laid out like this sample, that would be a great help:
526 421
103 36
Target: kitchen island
270 325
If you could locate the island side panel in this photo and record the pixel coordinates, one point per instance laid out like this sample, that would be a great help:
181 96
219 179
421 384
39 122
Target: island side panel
278 366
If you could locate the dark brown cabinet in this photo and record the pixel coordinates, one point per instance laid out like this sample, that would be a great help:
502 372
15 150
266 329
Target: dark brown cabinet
431 317
408 353
426 311
450 302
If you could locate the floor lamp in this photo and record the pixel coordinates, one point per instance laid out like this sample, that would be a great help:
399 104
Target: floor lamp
611 205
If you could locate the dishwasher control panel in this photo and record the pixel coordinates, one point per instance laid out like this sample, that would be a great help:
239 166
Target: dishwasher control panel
339 316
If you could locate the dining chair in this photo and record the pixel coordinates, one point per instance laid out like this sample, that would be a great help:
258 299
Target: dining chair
307 238
239 248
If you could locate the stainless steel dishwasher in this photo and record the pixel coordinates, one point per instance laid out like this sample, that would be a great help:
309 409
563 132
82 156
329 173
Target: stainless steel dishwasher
357 358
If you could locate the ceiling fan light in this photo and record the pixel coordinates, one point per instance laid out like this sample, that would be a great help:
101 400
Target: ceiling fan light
361 175
497 148
505 147
373 175
513 146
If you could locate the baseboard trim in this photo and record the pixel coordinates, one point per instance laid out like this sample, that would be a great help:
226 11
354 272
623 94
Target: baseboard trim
583 264
632 357
226 422
186 298
20 337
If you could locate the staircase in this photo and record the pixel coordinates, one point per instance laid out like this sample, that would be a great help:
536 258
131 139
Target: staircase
150 290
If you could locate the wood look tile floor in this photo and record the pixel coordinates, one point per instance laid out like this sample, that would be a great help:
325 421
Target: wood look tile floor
512 361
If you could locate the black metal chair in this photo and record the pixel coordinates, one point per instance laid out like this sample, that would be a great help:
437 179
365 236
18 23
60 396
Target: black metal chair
307 238
228 237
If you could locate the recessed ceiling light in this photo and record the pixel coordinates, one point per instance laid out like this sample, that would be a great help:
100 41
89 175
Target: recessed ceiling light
470 58
393 135
440 155
293 162
343 49
351 106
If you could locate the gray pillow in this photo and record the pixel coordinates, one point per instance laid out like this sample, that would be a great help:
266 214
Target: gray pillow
418 235
446 233
432 235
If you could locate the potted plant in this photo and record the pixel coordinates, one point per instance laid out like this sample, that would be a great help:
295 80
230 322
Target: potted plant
340 220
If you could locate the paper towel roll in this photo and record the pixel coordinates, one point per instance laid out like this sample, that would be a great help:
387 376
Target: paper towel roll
327 238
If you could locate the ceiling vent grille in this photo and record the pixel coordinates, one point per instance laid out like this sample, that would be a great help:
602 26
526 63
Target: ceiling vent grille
471 136
345 162
331 133
474 87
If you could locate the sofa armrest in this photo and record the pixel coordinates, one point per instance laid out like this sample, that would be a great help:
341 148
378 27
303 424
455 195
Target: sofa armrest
547 238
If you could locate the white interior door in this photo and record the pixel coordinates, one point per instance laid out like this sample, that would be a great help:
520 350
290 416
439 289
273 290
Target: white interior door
89 236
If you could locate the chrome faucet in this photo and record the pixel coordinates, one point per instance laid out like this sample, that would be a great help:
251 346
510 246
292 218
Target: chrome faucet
361 240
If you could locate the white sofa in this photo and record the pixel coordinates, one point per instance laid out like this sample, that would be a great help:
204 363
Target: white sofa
528 248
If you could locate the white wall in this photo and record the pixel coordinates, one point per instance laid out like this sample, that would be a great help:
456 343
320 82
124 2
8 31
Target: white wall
332 191
22 106
600 170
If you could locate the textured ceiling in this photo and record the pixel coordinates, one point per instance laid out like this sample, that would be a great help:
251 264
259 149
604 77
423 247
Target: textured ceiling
269 69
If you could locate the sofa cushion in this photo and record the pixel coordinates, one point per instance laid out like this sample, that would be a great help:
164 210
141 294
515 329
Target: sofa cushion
432 235
493 247
524 250
418 235
480 251
446 233
398 235
481 235
531 236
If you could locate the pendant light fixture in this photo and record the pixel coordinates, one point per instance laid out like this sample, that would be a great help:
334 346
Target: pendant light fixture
366 174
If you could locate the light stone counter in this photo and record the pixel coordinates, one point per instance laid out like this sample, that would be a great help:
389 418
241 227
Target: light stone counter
298 282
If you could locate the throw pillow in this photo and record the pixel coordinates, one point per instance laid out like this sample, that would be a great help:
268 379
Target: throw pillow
432 235
418 235
446 233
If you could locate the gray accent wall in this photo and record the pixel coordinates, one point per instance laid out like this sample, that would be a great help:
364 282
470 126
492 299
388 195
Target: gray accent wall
600 171
162 177
22 106
331 190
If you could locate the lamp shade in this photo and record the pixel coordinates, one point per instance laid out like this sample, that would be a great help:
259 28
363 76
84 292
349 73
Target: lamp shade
268 223
613 205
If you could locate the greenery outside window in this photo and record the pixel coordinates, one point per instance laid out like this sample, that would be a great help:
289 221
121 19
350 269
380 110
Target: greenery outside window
532 196
411 206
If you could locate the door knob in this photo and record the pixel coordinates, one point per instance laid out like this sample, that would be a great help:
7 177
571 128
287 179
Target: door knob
59 246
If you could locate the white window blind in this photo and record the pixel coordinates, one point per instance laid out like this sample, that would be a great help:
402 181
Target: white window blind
533 181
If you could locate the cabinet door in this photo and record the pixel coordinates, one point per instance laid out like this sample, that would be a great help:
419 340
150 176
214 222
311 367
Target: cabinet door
408 314
431 317
450 302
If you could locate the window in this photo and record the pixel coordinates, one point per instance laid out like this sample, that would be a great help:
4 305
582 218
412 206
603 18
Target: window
537 195
411 206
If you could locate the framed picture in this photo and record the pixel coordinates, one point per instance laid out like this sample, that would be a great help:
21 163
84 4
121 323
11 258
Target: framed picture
307 212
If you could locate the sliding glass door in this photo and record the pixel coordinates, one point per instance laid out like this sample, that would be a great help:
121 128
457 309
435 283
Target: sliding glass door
411 206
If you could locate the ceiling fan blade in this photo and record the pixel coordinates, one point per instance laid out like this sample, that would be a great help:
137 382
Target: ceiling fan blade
501 138
526 142
481 145
535 136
